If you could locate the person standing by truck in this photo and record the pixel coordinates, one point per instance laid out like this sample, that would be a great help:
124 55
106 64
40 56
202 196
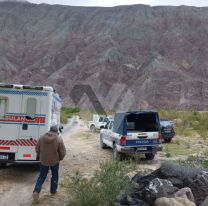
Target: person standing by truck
51 150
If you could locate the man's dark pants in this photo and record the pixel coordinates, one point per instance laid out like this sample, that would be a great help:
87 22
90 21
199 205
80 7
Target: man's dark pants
43 174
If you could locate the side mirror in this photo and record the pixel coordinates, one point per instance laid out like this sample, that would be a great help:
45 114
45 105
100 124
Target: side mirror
30 118
61 128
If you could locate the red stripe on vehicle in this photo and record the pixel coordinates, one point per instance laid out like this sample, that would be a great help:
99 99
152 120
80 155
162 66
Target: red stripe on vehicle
2 142
27 155
5 143
26 142
23 143
16 118
19 142
30 142
4 148
15 143
9 142
33 143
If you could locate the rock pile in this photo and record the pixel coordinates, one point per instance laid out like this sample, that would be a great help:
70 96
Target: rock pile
170 185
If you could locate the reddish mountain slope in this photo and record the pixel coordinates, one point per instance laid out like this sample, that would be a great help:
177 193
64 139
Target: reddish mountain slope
132 56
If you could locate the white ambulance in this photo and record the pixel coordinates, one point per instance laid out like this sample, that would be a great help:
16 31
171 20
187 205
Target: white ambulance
26 113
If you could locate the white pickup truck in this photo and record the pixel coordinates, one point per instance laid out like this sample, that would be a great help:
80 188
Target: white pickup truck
98 122
132 133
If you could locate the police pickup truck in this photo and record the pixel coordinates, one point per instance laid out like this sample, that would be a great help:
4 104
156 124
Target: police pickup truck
132 133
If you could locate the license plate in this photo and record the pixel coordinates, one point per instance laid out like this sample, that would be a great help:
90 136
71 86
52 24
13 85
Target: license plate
141 149
4 157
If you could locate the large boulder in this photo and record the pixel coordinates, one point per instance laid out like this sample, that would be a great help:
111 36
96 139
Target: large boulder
176 201
185 192
152 190
166 191
205 202
199 186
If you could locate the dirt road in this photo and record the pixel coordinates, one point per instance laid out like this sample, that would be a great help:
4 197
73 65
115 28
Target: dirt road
83 155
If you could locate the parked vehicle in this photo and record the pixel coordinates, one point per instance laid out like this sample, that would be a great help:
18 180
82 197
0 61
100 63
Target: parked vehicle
26 113
98 122
132 133
167 130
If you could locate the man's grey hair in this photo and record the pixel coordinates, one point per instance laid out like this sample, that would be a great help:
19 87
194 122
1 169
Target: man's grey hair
54 128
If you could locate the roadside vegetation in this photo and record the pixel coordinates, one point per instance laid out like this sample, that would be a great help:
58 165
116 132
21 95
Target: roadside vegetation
66 113
108 184
191 140
199 160
188 123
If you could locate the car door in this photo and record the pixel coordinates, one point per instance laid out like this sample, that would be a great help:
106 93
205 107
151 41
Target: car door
105 134
29 130
109 134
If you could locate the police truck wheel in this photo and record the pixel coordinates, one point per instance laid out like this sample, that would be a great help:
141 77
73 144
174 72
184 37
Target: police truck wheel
92 128
102 144
150 156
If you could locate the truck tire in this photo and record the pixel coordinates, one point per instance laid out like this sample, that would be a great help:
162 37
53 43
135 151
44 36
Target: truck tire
102 144
116 154
2 165
92 128
150 156
167 140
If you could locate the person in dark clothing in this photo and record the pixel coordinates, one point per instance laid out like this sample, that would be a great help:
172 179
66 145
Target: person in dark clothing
51 150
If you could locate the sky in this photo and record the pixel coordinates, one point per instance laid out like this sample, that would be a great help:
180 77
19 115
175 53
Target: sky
109 3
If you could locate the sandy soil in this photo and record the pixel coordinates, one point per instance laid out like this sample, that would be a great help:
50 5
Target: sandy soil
83 155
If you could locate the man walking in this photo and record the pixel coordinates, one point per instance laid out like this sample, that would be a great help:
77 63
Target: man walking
50 149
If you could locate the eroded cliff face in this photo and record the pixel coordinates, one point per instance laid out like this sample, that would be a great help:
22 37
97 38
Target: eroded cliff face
22 1
132 56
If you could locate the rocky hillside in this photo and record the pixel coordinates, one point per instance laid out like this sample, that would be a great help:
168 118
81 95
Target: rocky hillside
14 1
132 56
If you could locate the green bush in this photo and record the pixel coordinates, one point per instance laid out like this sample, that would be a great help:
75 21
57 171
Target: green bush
104 188
190 122
67 113
183 130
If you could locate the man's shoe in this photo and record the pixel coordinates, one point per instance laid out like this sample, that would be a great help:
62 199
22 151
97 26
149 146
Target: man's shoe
53 193
35 196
